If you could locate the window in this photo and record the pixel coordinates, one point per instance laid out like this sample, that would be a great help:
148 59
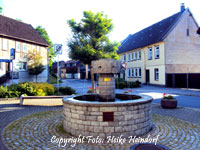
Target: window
139 72
22 65
188 32
17 46
5 44
1 66
132 56
150 53
24 47
157 55
156 74
135 73
38 49
135 55
124 58
139 55
128 55
129 72
132 71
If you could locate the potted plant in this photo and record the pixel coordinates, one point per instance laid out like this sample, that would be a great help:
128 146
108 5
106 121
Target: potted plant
168 101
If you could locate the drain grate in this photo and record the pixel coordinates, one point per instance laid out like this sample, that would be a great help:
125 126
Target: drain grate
148 146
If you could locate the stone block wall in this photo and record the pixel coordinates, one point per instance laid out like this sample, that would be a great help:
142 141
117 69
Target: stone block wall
107 88
131 119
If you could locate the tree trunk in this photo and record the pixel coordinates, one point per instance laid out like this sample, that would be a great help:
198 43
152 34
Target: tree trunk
86 71
36 78
92 79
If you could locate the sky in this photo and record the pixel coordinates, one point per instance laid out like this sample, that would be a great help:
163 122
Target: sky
128 16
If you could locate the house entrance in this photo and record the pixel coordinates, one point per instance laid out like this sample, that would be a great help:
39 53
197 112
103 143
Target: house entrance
147 76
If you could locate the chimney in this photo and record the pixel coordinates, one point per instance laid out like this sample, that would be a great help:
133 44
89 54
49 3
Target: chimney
182 7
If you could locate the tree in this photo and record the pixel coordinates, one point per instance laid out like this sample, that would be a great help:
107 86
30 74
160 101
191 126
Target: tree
1 10
35 65
90 40
42 32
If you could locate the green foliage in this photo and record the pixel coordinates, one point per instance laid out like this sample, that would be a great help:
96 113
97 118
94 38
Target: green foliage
6 93
168 97
120 84
42 32
40 92
28 89
66 90
35 64
90 38
1 10
45 88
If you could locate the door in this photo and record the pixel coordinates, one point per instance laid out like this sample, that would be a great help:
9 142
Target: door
7 69
147 76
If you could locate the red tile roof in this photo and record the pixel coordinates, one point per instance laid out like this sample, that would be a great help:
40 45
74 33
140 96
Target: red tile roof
20 31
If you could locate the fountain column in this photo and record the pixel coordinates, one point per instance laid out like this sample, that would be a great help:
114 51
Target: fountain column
106 68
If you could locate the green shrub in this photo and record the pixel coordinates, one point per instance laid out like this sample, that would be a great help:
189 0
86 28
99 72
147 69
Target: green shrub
120 84
66 90
6 93
28 89
40 92
46 88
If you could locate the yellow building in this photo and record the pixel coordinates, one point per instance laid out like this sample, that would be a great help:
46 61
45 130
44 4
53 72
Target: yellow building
165 53
23 38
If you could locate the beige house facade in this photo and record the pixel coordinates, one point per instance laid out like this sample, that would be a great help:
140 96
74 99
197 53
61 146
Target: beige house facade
23 38
166 53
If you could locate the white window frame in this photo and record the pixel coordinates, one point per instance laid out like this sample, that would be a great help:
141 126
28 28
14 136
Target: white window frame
5 44
128 55
135 75
38 49
156 73
132 72
139 55
157 52
129 72
139 73
24 47
21 66
131 56
18 47
134 56
124 58
150 53
1 65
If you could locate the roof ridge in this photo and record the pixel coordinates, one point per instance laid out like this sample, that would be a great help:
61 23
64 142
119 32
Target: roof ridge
164 35
19 30
156 23
15 20
149 35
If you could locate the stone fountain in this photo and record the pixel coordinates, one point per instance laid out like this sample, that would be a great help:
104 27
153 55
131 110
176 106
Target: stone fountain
107 114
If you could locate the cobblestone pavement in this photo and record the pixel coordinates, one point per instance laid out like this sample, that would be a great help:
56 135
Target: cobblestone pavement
11 110
36 132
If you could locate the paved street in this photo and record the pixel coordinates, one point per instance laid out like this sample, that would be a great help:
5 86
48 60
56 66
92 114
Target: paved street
182 95
11 111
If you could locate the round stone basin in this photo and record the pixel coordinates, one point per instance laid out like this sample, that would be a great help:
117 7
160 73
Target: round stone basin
129 115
